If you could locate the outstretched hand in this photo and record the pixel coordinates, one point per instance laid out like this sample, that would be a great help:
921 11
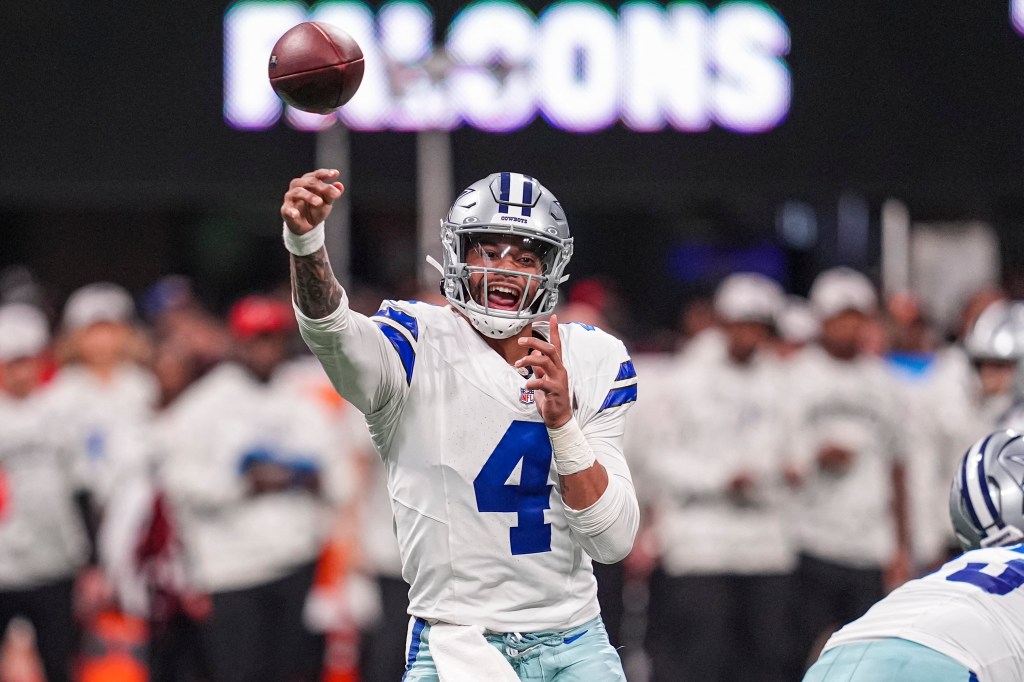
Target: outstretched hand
307 203
550 378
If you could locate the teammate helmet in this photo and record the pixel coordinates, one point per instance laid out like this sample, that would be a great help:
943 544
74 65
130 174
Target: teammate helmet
998 333
986 501
504 204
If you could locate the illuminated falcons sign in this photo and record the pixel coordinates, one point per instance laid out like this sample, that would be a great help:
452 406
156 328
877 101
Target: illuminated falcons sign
578 65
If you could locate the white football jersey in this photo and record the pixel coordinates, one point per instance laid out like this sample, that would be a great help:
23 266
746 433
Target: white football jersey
480 522
971 609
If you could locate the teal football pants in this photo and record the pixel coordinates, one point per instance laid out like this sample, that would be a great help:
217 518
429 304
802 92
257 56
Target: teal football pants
582 654
887 660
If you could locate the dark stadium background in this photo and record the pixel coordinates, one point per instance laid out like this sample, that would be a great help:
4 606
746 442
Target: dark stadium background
115 161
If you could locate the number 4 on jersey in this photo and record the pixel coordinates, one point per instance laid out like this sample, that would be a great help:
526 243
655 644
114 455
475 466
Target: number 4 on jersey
527 442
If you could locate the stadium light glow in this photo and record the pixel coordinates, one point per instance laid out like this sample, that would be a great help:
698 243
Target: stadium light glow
579 65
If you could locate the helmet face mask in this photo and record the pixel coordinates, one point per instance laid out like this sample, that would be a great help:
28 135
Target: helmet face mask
986 501
515 214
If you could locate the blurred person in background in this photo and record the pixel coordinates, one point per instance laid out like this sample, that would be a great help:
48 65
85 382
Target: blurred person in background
995 348
181 322
101 385
45 538
253 471
846 419
932 378
145 557
103 393
954 395
796 326
719 606
698 327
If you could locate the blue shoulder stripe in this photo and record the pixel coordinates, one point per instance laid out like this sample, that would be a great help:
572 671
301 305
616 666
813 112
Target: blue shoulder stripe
404 319
404 347
626 371
619 396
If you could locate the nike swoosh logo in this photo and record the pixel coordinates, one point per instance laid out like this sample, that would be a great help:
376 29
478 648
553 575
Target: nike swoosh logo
570 640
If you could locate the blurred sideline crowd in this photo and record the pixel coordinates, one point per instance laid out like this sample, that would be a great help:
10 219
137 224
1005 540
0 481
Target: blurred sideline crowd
185 498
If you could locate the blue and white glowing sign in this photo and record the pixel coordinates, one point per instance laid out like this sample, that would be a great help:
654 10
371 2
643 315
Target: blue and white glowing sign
579 65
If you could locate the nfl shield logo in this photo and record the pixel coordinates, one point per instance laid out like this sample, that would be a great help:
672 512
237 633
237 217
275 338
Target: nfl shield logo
525 396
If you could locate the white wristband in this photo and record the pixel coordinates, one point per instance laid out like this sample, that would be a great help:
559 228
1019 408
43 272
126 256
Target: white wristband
304 244
570 449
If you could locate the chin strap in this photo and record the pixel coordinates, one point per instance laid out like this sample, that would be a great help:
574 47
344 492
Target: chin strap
433 261
1007 535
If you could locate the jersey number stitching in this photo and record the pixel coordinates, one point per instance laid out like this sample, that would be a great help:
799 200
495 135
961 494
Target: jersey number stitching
1004 583
525 442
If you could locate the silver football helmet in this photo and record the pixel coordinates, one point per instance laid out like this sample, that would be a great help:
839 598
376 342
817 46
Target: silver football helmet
504 205
986 501
998 333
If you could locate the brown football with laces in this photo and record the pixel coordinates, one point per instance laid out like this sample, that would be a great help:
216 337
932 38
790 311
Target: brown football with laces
315 67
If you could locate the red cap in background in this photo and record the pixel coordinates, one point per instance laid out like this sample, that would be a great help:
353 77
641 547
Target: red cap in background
260 315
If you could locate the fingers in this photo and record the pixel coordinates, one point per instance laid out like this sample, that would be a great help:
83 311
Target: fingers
543 347
313 182
308 199
536 384
325 173
556 338
303 194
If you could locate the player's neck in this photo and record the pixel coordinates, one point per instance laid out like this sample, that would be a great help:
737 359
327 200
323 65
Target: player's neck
509 348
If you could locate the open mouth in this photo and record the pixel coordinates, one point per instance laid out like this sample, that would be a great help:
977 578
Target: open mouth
503 297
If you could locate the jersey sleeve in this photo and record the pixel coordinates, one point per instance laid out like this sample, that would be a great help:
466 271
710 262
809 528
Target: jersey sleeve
604 391
369 360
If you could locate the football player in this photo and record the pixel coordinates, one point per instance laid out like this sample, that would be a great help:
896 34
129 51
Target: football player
499 429
965 621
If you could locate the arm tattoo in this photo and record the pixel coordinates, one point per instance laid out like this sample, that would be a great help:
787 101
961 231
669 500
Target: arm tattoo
314 286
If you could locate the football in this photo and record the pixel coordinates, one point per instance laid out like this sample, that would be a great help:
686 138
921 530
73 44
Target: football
316 67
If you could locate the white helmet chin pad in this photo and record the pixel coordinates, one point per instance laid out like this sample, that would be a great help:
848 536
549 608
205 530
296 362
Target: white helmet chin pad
495 327
506 205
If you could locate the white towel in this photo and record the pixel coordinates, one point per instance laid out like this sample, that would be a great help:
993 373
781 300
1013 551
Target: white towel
462 654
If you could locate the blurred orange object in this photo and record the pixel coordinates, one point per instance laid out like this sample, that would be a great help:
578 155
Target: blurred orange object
341 660
114 649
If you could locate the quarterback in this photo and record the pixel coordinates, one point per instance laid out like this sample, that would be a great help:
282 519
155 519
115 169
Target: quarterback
965 621
500 431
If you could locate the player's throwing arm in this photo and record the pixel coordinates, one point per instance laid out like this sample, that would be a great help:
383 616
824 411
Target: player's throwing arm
307 203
